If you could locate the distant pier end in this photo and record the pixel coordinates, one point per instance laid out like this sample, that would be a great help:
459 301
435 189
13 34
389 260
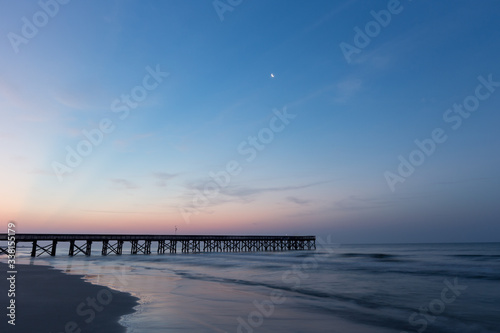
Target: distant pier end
142 244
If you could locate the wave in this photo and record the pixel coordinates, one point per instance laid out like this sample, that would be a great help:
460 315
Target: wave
289 288
369 310
419 271
478 257
375 256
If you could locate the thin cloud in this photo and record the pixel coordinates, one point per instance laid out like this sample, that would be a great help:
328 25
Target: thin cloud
38 171
245 192
347 88
11 92
328 16
298 201
123 184
235 193
463 181
163 177
125 144
111 211
356 202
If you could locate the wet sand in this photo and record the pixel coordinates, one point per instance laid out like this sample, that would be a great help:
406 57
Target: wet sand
48 300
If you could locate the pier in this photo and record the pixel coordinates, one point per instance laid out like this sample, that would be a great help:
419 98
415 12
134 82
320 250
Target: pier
145 244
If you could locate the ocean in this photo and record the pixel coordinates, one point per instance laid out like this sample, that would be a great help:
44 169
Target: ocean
449 288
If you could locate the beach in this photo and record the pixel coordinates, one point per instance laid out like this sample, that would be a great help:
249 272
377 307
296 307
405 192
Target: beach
47 300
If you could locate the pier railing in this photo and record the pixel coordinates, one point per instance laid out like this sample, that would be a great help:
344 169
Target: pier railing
143 244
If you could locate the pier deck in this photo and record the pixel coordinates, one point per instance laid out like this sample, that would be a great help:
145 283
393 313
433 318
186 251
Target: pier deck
142 244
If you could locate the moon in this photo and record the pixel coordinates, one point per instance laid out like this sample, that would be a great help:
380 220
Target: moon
272 75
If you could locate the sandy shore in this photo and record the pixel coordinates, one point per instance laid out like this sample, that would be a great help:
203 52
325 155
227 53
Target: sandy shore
48 300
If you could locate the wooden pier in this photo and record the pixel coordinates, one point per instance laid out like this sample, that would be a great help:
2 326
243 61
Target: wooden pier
142 244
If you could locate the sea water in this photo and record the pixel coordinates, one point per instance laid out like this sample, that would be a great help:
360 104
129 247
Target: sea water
337 288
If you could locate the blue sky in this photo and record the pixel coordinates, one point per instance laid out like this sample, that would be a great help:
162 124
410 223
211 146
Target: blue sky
306 150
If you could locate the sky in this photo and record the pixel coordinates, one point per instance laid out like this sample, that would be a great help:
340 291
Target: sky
369 121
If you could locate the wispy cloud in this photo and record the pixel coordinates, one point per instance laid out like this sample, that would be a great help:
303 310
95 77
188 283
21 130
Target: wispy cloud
81 97
330 88
298 201
240 193
163 177
123 184
10 92
247 192
125 144
347 88
111 211
360 202
468 180
355 202
381 55
45 172
328 16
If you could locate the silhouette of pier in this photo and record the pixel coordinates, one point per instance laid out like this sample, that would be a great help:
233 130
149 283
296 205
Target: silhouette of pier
143 244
